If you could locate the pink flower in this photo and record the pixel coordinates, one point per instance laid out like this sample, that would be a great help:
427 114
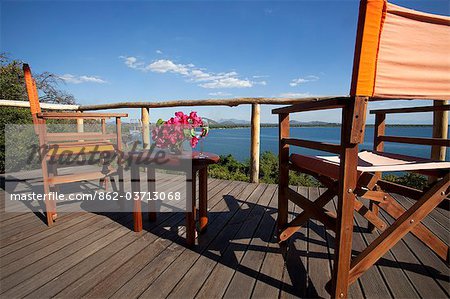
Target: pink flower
195 119
193 114
173 139
172 132
194 142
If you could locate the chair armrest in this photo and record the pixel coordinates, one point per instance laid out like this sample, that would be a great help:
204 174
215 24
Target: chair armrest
74 115
412 109
332 103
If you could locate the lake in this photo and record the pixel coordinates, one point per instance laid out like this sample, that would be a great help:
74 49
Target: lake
237 141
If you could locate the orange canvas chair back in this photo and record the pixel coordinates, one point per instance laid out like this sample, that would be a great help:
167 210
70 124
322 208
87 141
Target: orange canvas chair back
32 92
401 53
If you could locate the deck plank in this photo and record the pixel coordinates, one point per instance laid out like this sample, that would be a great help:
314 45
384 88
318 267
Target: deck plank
134 287
395 279
121 275
219 279
318 258
295 275
13 262
98 256
372 282
252 249
120 258
166 281
240 228
23 283
415 274
269 279
427 272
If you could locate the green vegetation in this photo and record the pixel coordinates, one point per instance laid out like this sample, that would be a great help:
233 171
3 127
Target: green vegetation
231 169
12 88
12 115
409 179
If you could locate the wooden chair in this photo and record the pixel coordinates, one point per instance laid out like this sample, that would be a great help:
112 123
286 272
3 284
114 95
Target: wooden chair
399 54
53 145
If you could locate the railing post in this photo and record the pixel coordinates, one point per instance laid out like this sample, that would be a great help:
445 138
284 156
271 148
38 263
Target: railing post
440 130
255 143
145 118
80 125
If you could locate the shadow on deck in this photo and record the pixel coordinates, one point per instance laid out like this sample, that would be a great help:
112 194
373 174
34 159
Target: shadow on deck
98 254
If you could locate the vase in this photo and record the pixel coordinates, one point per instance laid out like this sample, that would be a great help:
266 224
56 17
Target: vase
175 150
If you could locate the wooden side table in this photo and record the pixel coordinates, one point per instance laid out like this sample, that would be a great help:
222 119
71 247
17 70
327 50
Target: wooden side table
199 165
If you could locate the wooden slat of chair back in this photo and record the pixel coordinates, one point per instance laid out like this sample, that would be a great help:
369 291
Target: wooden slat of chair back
32 91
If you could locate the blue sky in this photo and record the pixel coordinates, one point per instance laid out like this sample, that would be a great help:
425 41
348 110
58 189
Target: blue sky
111 51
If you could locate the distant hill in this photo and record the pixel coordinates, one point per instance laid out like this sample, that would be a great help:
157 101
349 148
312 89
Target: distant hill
239 123
233 121
211 122
311 123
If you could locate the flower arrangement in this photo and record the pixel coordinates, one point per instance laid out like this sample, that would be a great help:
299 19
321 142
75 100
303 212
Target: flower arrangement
171 133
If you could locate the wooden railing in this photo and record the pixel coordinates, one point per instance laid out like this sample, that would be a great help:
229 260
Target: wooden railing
45 106
440 120
439 141
146 106
255 116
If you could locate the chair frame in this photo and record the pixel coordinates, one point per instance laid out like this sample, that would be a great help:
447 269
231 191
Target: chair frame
349 185
48 141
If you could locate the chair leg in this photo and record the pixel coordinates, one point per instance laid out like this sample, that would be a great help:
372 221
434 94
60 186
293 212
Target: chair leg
348 177
50 207
282 210
343 247
121 186
151 187
283 178
203 199
136 191
373 207
190 210
103 182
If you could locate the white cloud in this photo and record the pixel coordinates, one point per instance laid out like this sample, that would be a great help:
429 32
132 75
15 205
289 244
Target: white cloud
223 80
298 81
132 62
219 93
204 78
165 65
69 78
159 52
295 95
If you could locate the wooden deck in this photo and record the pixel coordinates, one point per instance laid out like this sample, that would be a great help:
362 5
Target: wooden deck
98 255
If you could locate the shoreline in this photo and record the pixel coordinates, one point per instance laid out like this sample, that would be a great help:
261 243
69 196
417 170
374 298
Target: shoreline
315 126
